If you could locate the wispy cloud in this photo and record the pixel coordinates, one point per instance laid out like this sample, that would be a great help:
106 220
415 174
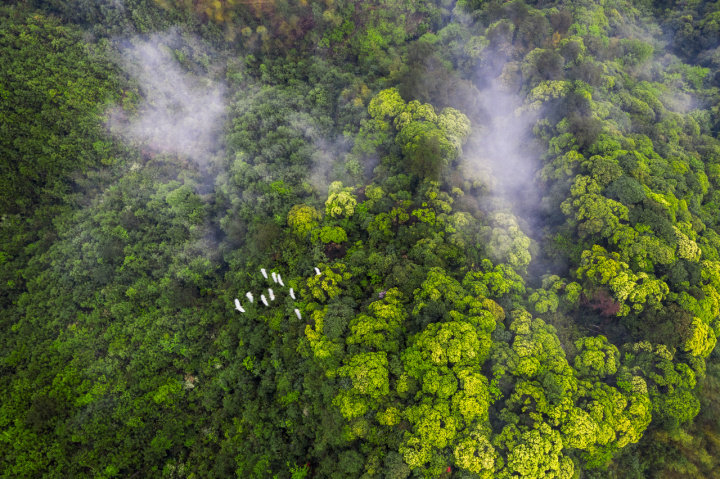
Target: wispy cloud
180 113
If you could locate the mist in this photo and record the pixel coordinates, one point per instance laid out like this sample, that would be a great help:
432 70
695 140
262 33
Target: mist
502 149
325 164
180 112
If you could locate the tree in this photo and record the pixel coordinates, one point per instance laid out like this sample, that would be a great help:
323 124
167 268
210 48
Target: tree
303 219
332 234
533 453
380 329
386 105
596 358
426 149
592 212
702 339
541 65
340 201
602 268
577 410
369 375
669 383
476 454
507 243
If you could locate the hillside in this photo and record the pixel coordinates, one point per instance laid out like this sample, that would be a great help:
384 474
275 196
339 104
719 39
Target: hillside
481 239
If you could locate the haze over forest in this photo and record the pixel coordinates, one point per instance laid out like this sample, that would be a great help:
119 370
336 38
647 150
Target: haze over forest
379 239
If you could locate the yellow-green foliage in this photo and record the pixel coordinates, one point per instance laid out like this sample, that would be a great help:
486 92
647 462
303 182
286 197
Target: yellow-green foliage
379 329
332 234
562 166
429 141
620 417
327 285
494 280
687 248
544 301
321 346
536 453
435 428
369 374
443 343
303 219
386 104
592 212
455 125
374 192
702 339
476 454
444 360
390 417
586 415
545 91
669 382
340 201
505 242
600 267
370 382
596 357
473 400
115 303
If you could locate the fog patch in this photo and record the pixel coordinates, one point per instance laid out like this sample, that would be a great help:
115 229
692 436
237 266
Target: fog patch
326 163
179 112
503 147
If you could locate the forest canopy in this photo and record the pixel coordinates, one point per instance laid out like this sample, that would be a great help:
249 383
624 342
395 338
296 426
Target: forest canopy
360 239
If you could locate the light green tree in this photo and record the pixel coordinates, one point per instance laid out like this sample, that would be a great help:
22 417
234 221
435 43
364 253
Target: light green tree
386 104
600 267
670 383
476 454
590 211
327 285
494 281
303 219
702 339
380 328
577 408
340 201
596 357
534 453
334 234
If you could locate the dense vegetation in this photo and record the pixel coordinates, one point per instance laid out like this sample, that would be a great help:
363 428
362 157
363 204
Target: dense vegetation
514 208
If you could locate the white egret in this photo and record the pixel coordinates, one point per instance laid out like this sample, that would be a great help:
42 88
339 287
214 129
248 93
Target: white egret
317 271
292 293
249 296
238 307
297 312
262 298
274 276
262 270
280 281
272 295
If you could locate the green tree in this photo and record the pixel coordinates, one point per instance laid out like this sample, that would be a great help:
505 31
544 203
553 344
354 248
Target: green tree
303 219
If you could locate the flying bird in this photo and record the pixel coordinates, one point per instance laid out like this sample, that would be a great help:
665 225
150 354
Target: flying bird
238 307
249 296
262 270
292 293
297 312
317 271
262 297
272 295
